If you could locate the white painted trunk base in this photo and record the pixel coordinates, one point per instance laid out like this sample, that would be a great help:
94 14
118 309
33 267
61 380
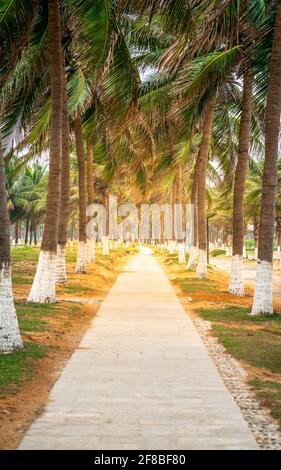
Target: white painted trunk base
263 290
10 338
91 251
256 253
105 246
201 270
181 252
236 284
279 261
171 247
127 244
61 264
81 261
43 289
193 258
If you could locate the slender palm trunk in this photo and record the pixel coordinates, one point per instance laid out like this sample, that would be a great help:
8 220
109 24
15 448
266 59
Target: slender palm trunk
17 232
65 191
105 238
263 289
44 285
201 270
81 263
236 285
178 222
26 232
10 339
90 194
193 256
171 243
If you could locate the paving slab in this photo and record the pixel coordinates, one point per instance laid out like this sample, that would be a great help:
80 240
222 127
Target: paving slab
141 378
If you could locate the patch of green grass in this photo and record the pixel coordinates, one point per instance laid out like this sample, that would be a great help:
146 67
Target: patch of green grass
22 280
269 393
238 313
258 348
193 285
218 252
74 288
24 253
15 366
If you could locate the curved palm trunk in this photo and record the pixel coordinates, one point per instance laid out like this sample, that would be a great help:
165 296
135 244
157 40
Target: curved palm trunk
10 339
65 191
193 256
44 285
90 193
236 285
81 263
201 270
263 289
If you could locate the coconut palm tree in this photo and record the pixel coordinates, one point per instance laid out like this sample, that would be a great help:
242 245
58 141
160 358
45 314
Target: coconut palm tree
262 304
43 288
81 263
236 285
64 191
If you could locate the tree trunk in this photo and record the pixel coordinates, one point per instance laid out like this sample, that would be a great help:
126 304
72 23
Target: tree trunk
10 339
105 238
35 234
263 289
44 285
236 285
26 232
178 212
201 188
81 263
30 234
17 232
193 255
65 191
90 193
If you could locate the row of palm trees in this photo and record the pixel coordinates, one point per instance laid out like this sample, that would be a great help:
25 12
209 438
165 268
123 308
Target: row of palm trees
211 94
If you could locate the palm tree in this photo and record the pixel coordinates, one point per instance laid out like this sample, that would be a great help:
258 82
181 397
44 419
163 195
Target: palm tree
81 263
201 270
10 338
236 285
44 285
90 192
64 191
262 304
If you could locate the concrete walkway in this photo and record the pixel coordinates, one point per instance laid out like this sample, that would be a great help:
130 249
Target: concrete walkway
140 379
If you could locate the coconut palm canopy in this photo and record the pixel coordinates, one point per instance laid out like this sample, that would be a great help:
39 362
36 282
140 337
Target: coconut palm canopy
151 101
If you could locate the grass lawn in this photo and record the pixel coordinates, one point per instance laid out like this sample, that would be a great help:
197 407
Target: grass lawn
255 341
50 333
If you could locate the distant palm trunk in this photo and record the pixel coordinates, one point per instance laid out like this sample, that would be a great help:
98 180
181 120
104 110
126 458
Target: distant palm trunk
263 289
90 193
201 188
105 238
26 232
65 191
178 211
44 285
193 256
17 232
81 263
10 339
236 285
